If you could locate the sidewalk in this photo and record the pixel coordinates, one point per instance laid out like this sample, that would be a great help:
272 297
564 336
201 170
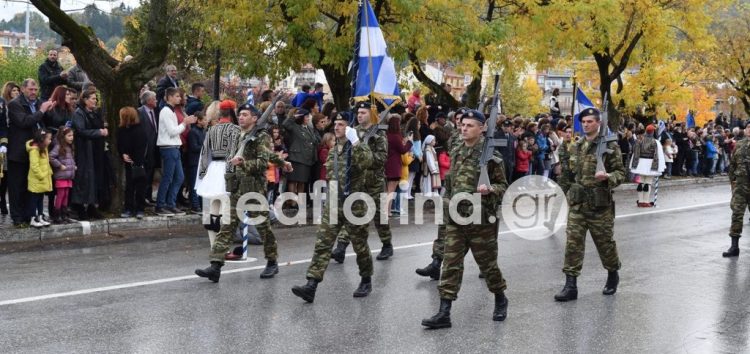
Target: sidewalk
174 223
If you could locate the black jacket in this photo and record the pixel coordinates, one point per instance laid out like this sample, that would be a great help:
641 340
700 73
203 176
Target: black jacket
162 86
3 122
55 118
151 132
49 78
21 126
132 141
195 143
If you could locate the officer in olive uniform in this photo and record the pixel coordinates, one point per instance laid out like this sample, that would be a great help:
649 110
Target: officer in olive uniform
566 174
346 166
739 176
591 208
432 270
374 184
249 176
481 238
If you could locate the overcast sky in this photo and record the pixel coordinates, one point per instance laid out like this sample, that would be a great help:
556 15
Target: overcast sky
8 8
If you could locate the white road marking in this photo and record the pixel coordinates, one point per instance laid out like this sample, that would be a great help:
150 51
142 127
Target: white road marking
302 261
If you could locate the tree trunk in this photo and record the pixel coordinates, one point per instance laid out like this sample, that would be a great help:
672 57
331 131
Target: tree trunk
434 87
340 85
602 64
119 83
474 90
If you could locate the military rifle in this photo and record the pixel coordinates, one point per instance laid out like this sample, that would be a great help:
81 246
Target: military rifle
604 137
490 143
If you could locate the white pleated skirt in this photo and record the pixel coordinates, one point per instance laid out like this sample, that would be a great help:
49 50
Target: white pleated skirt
212 185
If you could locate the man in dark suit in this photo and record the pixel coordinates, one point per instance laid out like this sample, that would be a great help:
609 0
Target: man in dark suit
169 80
25 114
149 115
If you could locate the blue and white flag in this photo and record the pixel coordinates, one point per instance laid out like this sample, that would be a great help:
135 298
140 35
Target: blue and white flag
690 120
582 102
374 72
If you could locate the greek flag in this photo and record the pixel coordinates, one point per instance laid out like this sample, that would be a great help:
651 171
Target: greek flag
582 102
374 72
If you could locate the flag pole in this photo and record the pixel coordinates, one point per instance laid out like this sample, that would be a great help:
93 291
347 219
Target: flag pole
575 93
369 53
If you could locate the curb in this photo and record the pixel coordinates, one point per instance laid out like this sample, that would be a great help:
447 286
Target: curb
115 225
98 227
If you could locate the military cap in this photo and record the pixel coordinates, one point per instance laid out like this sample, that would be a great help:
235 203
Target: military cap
248 107
474 114
589 112
363 104
345 116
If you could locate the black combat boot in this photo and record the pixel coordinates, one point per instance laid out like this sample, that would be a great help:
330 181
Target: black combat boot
610 288
570 291
364 288
339 253
501 307
442 319
432 270
307 291
272 268
213 272
734 249
385 252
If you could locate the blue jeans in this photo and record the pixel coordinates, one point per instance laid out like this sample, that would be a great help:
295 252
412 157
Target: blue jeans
694 162
171 177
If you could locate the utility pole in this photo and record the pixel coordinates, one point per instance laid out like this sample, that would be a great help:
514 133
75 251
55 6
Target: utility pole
28 12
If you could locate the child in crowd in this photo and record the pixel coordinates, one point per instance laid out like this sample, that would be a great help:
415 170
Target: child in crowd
40 175
62 159
523 159
670 152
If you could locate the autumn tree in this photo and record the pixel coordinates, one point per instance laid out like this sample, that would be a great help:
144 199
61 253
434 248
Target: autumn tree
730 60
118 82
618 34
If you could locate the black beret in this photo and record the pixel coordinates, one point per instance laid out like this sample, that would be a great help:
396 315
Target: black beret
589 112
345 116
474 114
363 104
507 122
248 107
461 111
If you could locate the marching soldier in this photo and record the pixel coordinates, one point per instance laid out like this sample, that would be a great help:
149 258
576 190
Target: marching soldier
250 162
374 185
480 238
347 166
432 270
739 176
591 207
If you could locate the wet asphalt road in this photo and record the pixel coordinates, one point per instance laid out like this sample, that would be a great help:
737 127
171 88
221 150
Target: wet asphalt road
676 295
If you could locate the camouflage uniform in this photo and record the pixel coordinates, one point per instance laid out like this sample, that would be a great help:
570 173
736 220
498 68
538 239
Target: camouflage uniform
439 244
591 207
250 176
361 159
481 238
739 175
375 183
566 174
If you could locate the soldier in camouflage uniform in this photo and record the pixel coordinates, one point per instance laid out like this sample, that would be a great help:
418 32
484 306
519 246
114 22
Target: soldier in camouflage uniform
374 185
739 176
432 270
346 166
481 238
250 162
591 208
